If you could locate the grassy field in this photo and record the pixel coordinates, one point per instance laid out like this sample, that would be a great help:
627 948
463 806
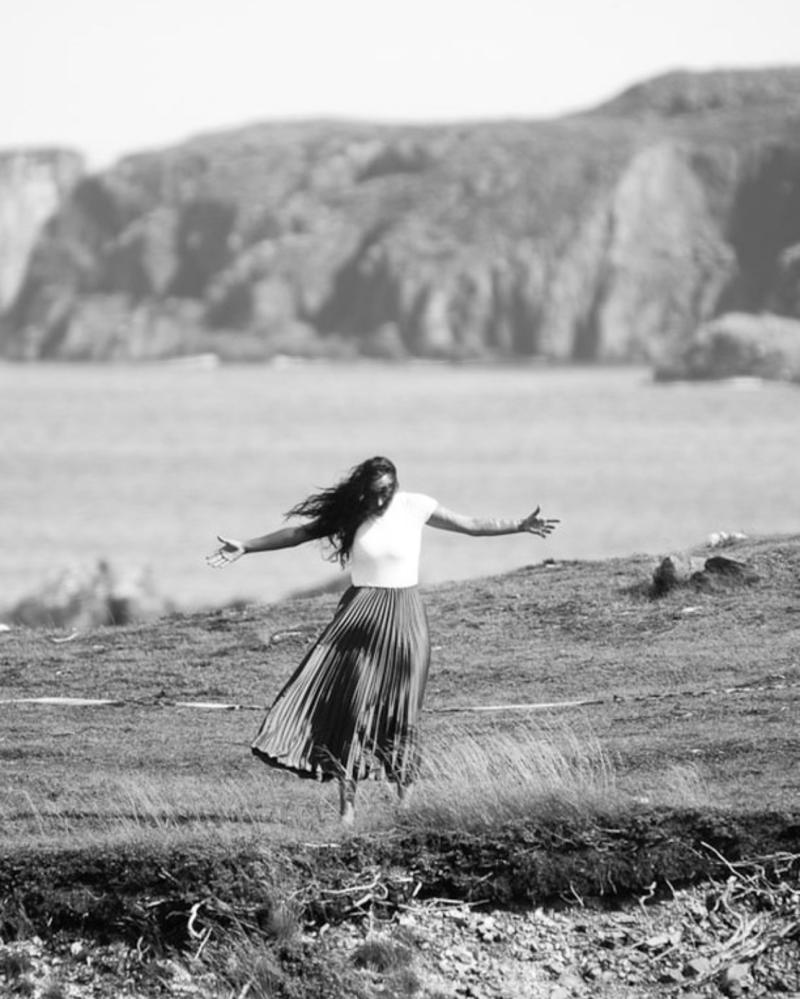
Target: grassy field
583 739
689 699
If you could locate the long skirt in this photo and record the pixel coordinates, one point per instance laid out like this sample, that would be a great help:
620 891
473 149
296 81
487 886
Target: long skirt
351 709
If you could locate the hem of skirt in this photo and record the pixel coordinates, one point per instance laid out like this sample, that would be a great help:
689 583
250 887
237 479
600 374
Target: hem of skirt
378 773
304 772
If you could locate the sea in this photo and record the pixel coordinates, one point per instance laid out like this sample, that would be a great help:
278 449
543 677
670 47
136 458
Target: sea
144 465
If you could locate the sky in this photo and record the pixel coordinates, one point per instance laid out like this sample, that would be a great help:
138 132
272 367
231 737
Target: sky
108 77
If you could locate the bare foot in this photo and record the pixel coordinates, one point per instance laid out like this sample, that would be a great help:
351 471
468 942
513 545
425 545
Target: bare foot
347 808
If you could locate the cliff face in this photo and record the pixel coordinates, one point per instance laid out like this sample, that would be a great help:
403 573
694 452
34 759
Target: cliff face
33 185
604 236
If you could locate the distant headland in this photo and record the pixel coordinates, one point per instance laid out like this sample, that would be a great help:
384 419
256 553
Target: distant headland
661 227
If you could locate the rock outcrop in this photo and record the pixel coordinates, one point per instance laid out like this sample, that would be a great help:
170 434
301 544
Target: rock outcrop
738 345
607 236
33 186
91 596
710 574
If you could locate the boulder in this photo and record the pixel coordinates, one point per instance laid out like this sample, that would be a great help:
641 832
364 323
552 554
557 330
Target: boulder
720 572
717 572
672 571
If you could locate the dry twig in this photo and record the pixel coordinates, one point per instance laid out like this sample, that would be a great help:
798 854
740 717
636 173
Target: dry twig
758 904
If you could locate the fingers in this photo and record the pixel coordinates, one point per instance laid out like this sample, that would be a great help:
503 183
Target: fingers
536 525
229 551
542 528
222 557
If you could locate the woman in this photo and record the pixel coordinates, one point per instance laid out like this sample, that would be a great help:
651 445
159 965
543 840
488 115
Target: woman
350 709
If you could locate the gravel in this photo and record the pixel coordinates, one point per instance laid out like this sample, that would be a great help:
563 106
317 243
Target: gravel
689 946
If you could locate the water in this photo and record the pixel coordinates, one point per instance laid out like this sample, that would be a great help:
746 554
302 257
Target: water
144 465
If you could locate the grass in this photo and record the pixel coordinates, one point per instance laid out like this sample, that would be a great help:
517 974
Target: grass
160 812
681 707
469 781
252 967
266 966
672 723
554 772
474 782
382 953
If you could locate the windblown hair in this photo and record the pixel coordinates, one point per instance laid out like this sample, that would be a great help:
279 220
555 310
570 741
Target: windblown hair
337 513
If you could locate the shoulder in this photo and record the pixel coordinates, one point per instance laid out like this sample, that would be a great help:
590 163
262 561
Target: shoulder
417 504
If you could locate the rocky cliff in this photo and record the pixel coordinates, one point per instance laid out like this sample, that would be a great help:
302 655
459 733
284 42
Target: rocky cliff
33 186
604 236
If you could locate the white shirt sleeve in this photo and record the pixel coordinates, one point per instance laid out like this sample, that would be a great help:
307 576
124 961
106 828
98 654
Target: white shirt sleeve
421 506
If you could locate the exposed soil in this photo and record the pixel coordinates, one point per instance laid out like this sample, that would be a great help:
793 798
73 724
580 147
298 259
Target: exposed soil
648 906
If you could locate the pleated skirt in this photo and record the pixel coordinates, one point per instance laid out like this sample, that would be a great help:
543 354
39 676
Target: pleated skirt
351 709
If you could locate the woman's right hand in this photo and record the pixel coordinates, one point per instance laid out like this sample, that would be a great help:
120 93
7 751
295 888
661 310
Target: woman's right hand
229 551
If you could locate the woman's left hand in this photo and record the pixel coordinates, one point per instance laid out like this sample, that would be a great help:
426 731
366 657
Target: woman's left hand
534 524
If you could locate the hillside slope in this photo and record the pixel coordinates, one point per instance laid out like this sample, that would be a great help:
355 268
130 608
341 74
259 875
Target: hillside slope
141 828
705 677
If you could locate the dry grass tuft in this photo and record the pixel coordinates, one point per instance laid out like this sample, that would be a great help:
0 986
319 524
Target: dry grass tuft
259 968
477 782
250 967
382 954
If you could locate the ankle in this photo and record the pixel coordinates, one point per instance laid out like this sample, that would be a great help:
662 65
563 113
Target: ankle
404 792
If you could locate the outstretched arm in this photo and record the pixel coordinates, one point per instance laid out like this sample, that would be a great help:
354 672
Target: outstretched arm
479 527
286 537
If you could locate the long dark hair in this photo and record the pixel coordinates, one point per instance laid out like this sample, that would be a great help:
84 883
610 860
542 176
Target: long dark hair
337 513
